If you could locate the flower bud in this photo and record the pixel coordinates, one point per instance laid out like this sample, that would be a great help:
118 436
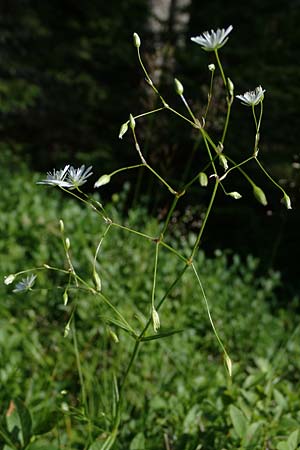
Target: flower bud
68 243
123 129
223 161
203 180
65 298
136 40
178 87
155 320
104 179
132 122
211 67
287 201
9 279
259 195
97 281
235 195
230 87
113 335
61 226
228 363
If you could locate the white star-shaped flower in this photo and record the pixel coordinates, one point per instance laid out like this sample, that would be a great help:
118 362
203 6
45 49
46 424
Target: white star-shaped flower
252 98
213 40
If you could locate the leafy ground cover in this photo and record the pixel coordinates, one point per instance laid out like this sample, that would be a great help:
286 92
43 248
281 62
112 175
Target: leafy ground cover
179 396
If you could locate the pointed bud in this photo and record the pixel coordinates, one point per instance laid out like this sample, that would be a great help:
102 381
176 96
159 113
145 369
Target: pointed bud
259 195
136 40
132 122
235 195
155 320
230 87
203 180
104 179
68 243
287 201
9 279
211 67
123 129
65 298
228 363
61 226
219 148
97 281
113 335
178 87
223 162
67 329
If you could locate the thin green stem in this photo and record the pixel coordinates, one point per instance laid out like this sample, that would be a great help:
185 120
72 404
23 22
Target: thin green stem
171 249
269 176
188 108
212 199
208 312
171 210
221 70
154 276
131 230
209 95
161 179
122 169
226 121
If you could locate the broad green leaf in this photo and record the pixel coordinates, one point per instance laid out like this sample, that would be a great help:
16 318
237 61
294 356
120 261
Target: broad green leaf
25 421
239 421
293 440
252 433
45 421
280 399
138 442
283 445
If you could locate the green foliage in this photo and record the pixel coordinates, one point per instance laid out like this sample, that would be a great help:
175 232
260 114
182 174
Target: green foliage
178 392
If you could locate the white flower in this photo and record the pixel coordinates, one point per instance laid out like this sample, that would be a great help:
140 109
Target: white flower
252 98
57 178
213 40
25 284
9 278
77 177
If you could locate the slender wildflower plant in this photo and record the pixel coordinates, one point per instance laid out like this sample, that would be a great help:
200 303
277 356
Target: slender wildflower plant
215 173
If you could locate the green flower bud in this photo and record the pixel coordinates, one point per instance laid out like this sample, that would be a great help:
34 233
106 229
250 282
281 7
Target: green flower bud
97 281
113 335
123 129
287 201
223 161
9 279
68 243
104 179
155 320
65 298
203 180
136 40
230 87
178 87
61 226
132 122
259 195
235 195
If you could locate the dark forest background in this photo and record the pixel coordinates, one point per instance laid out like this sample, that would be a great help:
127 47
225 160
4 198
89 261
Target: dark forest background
69 77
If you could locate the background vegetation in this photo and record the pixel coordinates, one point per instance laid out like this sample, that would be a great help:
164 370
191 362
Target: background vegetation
68 79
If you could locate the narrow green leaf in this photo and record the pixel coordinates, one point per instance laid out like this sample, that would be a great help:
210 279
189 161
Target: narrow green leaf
239 421
160 335
5 438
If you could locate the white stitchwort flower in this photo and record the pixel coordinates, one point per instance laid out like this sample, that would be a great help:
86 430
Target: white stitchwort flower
252 98
213 40
25 284
77 177
56 178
